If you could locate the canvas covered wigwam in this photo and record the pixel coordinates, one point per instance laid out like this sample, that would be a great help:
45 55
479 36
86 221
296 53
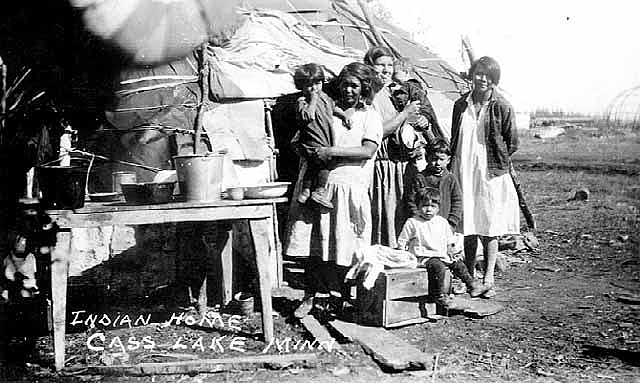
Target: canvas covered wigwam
257 63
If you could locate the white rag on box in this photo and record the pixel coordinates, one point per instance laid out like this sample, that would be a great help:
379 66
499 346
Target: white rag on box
371 260
20 270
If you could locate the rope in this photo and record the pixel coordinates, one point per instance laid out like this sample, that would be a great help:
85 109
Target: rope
86 182
88 154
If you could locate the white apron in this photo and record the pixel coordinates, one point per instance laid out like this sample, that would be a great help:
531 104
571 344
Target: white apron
490 203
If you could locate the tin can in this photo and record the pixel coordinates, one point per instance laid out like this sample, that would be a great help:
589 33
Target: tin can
120 178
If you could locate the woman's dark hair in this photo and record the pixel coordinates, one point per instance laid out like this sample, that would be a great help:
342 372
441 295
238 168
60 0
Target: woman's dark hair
427 196
307 73
493 69
439 146
376 52
369 81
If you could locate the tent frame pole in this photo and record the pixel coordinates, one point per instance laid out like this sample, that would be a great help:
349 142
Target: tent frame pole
203 81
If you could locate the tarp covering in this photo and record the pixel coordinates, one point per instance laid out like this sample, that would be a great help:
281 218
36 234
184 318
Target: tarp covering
239 128
260 58
343 23
258 62
165 94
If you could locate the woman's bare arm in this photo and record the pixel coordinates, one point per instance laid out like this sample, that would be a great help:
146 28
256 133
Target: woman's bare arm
363 152
391 125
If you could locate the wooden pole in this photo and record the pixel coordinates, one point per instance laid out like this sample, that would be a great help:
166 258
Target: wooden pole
466 44
3 97
273 176
203 81
374 30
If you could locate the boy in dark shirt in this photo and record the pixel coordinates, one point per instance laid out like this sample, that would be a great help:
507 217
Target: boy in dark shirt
436 175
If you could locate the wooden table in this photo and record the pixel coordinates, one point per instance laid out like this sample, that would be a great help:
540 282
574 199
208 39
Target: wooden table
256 211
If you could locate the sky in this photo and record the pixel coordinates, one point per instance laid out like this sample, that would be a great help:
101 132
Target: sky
556 54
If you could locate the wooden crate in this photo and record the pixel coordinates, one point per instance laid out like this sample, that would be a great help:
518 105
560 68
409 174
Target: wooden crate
399 297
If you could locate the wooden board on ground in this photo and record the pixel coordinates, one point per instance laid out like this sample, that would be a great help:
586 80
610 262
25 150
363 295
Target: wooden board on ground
477 307
209 365
319 332
383 346
288 293
633 299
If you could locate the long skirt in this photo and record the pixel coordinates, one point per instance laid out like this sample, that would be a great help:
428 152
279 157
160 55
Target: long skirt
389 209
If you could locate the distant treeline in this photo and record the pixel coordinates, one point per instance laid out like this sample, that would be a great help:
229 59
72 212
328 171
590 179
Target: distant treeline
559 113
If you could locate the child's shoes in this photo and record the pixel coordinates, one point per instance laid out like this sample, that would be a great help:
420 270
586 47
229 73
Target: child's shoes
444 300
320 196
490 293
448 303
304 195
477 289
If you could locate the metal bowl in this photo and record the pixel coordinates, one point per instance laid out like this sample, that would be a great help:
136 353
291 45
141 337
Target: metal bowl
104 197
268 190
145 193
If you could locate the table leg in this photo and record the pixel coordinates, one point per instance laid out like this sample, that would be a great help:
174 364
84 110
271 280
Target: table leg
202 296
59 273
227 269
259 229
278 249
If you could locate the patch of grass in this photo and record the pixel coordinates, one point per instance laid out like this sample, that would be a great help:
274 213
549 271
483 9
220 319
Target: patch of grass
582 146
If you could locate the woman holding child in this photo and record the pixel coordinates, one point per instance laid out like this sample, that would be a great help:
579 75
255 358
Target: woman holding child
330 236
483 137
388 209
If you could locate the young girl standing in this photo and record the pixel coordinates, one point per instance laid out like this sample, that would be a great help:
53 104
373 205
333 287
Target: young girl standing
483 138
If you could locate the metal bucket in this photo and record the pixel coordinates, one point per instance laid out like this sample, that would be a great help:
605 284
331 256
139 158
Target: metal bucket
244 303
62 186
200 176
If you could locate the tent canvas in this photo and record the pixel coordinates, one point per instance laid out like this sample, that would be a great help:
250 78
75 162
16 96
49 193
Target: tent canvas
343 23
257 63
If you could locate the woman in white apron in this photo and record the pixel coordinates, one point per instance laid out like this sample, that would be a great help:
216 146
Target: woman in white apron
483 138
330 237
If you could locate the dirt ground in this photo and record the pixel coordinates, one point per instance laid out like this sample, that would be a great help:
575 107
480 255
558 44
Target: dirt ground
557 301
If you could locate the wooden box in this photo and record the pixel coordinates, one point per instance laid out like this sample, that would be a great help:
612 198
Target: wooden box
399 297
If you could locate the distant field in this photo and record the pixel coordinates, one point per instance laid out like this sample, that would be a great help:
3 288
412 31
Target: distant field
582 148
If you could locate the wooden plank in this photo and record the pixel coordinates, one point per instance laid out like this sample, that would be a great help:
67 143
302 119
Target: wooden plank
227 269
259 229
409 322
202 297
630 298
411 283
59 274
288 293
476 307
101 207
208 365
383 346
400 311
319 332
143 217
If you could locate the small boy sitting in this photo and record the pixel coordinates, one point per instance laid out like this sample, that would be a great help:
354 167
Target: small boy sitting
436 175
430 238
